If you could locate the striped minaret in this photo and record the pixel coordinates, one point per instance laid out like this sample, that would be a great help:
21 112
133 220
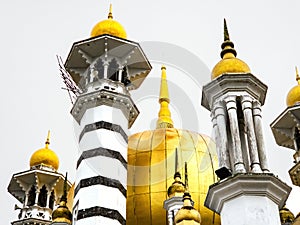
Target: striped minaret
104 67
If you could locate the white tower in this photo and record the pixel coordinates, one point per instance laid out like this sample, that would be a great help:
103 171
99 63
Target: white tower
104 67
38 189
234 97
286 129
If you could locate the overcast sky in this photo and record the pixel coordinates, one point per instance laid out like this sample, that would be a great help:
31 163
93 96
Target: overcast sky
184 35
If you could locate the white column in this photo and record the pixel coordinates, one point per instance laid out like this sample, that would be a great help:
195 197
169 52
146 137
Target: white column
248 118
239 166
36 197
219 123
170 217
259 136
105 64
120 74
48 198
26 199
244 143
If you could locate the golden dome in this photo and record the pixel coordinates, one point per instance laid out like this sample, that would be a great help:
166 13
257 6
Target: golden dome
286 216
62 213
293 96
151 163
109 26
45 156
187 212
229 63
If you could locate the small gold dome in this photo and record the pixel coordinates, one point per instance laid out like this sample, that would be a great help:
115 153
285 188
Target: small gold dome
187 212
293 96
109 26
62 214
286 216
229 63
177 188
45 156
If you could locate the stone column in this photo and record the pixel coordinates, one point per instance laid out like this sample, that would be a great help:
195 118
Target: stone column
239 166
120 74
259 136
248 118
219 123
105 64
36 197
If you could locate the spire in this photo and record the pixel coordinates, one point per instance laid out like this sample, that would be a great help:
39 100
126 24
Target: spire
64 196
226 34
297 75
164 115
187 212
186 178
47 143
110 16
228 50
177 188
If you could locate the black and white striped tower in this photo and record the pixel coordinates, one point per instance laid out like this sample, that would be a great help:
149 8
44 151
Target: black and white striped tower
104 67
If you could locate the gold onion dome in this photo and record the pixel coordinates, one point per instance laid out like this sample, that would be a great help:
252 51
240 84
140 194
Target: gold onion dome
109 26
151 167
62 214
293 96
45 156
286 216
177 188
229 63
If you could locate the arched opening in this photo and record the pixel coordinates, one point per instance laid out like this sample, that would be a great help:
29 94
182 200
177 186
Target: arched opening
42 201
51 200
31 196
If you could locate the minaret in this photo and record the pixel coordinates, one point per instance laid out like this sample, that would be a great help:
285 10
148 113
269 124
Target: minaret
104 67
286 128
187 215
234 97
38 188
62 215
175 194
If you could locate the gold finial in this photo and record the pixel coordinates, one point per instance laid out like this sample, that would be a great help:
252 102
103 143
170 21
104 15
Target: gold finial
47 143
228 50
110 16
64 196
186 178
297 75
226 34
164 115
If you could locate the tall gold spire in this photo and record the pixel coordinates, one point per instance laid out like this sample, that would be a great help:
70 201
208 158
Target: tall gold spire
164 115
47 143
229 63
110 16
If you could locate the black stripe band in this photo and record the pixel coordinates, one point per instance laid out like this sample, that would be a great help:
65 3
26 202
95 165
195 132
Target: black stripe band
103 125
102 152
100 211
102 181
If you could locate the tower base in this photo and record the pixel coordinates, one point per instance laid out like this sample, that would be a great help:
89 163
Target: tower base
248 199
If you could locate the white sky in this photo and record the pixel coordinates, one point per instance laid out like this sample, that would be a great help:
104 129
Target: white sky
265 33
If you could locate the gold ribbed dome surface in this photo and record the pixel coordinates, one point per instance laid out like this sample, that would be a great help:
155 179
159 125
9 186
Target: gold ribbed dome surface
293 96
109 26
45 156
151 163
229 63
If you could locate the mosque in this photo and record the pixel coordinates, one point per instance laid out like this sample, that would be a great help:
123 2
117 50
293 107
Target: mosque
158 176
